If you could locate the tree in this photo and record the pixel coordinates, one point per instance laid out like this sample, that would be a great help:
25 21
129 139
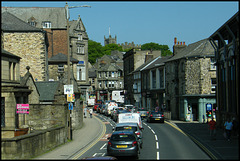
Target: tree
111 47
155 46
95 50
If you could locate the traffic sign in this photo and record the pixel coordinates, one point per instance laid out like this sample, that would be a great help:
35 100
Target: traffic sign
70 106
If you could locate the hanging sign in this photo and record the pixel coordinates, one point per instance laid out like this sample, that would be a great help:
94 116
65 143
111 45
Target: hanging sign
23 108
68 89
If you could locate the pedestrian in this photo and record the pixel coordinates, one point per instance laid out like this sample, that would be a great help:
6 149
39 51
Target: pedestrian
90 112
228 128
85 112
212 128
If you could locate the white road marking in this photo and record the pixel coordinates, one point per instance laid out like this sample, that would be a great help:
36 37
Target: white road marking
156 138
103 146
158 156
157 147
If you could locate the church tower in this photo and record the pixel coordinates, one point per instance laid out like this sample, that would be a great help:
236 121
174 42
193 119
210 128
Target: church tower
110 40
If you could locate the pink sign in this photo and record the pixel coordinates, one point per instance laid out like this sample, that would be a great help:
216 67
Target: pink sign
23 108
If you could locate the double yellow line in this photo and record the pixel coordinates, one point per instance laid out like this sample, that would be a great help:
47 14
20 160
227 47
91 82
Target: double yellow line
213 157
93 143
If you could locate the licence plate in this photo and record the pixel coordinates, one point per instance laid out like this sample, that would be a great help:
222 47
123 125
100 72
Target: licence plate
121 146
157 119
143 115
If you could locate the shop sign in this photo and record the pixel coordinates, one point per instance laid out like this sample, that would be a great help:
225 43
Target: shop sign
22 108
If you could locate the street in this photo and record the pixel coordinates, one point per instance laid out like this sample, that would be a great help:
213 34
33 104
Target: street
160 141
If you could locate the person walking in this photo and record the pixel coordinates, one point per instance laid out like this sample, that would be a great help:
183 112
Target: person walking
228 128
85 112
212 128
90 112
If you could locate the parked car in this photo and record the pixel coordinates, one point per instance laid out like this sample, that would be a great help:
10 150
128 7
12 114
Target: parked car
155 116
123 143
102 111
99 108
117 112
130 127
143 112
96 106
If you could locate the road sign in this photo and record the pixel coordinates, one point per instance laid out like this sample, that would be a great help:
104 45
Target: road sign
70 106
68 89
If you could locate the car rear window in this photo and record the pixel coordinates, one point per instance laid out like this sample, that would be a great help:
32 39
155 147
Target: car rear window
129 128
122 137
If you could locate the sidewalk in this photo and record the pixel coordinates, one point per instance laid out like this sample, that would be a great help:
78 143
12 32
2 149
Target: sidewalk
81 138
220 148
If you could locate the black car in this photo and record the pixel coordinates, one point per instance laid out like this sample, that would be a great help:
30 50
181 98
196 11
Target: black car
155 116
123 143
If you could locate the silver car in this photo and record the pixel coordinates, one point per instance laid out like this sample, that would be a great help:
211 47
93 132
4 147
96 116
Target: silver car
123 143
130 127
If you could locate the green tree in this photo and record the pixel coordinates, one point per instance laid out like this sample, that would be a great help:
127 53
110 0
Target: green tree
111 47
155 46
95 50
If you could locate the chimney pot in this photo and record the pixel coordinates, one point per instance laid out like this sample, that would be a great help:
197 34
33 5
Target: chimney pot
181 43
175 41
184 43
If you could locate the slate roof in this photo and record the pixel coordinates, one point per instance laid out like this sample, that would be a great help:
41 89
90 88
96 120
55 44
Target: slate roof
61 58
158 62
202 48
10 22
56 15
47 90
8 54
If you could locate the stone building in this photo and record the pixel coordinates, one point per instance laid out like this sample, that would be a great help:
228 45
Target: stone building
28 42
109 73
50 19
226 45
110 40
191 81
131 45
79 50
131 61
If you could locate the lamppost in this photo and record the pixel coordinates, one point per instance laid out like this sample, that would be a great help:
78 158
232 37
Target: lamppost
68 63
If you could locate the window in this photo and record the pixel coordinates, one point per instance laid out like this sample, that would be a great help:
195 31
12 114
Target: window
12 71
100 84
2 111
161 78
46 24
112 74
32 23
60 68
154 79
80 37
81 49
81 73
212 66
213 85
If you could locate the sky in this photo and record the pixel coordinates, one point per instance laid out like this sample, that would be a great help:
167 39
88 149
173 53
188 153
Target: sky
146 21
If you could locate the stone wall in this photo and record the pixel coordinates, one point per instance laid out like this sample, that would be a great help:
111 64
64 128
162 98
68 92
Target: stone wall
33 144
31 48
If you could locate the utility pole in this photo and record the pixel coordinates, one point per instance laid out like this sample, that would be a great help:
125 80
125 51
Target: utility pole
68 64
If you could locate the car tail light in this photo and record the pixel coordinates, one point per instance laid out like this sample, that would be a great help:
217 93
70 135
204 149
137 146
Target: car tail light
109 144
162 115
137 133
134 143
147 112
151 115
138 112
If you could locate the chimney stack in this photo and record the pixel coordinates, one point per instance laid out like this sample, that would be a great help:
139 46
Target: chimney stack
175 41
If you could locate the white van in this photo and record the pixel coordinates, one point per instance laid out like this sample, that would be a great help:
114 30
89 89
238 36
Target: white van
130 118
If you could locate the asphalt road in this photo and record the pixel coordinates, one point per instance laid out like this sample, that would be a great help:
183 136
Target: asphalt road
160 141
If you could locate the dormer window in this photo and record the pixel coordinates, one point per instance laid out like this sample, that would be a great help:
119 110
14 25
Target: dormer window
46 24
32 21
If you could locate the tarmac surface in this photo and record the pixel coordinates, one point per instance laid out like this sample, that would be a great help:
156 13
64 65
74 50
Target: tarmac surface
219 149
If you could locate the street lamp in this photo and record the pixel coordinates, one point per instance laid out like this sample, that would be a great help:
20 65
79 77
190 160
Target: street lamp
68 63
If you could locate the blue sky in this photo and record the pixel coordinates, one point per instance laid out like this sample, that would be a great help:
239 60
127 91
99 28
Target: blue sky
146 21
